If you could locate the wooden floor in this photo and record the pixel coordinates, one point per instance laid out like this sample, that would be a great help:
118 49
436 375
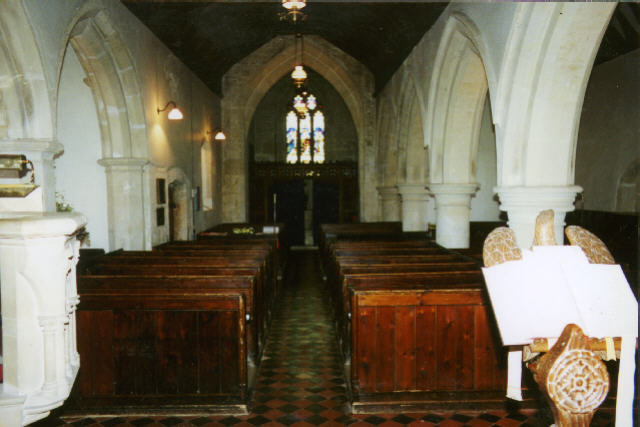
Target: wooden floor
301 381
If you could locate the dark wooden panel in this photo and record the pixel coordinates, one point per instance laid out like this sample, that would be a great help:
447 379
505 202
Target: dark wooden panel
177 361
405 348
385 343
125 351
446 347
144 365
484 363
365 349
95 340
209 345
464 346
229 352
426 378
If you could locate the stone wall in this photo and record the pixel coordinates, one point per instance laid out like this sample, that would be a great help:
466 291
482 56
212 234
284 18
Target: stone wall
609 138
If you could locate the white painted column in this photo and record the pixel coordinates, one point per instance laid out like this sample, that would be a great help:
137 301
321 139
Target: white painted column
41 154
523 204
453 208
389 203
414 206
125 201
37 265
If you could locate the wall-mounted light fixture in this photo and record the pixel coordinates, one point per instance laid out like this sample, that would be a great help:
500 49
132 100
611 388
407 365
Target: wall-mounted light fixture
220 136
174 113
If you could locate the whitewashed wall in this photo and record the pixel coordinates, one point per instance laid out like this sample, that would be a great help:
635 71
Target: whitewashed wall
79 179
172 147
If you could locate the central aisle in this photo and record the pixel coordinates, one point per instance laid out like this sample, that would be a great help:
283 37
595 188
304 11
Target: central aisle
301 375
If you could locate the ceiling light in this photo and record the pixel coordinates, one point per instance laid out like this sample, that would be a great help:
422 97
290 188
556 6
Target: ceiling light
293 12
220 136
299 75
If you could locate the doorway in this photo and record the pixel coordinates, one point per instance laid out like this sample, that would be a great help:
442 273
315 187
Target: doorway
178 205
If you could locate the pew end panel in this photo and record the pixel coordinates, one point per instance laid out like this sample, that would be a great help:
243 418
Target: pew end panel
183 353
420 350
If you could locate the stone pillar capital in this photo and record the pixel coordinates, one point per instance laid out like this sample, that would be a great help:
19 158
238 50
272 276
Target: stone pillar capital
558 198
123 163
523 204
414 206
45 146
453 194
453 204
389 203
416 192
453 189
387 191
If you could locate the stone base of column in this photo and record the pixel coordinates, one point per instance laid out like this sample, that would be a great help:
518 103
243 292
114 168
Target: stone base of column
523 204
414 199
453 206
389 203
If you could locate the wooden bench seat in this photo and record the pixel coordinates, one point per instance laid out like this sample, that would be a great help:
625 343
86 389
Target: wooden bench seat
151 350
414 327
157 298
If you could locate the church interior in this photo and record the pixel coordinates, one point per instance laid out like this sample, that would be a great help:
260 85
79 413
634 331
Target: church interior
275 211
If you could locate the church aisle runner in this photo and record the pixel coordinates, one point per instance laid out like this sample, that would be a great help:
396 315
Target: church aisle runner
301 382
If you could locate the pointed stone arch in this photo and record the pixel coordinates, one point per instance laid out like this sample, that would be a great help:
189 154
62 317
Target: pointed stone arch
248 81
537 108
111 75
26 118
455 105
413 164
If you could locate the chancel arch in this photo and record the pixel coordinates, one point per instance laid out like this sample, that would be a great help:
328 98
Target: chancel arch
456 102
246 83
111 76
305 187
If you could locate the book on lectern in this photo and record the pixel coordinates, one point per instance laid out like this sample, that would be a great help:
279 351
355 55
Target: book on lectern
552 286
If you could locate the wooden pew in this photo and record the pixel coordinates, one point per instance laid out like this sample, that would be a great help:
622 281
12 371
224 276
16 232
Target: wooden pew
156 351
140 294
414 326
422 345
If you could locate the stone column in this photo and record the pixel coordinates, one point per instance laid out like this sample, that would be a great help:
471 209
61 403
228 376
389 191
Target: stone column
414 206
41 154
125 201
453 208
523 204
389 203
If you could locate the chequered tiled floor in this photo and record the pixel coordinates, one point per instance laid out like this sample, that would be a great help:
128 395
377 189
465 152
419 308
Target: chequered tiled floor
301 381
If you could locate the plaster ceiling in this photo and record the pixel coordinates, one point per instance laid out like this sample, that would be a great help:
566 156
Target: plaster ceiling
211 36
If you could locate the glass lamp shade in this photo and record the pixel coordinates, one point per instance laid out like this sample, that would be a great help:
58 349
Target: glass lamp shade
175 114
299 75
293 4
220 136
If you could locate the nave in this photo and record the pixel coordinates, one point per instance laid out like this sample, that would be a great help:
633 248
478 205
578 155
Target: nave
301 381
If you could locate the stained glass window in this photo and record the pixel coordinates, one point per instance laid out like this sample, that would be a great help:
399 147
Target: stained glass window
305 130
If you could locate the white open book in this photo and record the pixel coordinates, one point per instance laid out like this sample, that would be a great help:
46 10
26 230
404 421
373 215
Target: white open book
552 286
